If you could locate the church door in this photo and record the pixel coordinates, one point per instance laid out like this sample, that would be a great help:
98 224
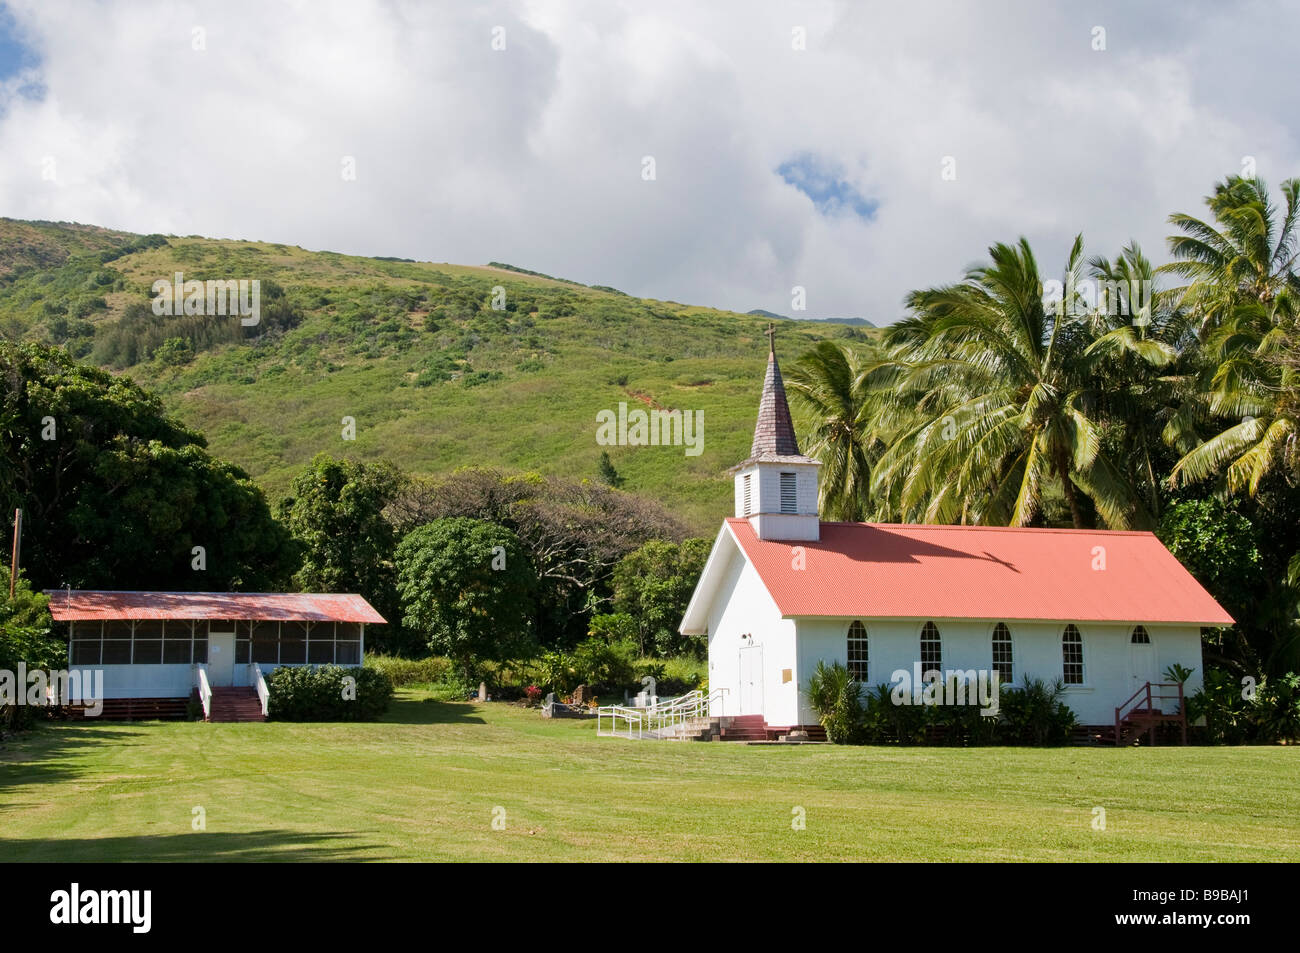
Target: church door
751 680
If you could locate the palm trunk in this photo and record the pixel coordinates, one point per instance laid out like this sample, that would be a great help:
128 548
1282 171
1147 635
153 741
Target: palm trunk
1068 488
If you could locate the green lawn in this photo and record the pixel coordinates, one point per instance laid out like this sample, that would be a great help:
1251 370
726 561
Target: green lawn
423 785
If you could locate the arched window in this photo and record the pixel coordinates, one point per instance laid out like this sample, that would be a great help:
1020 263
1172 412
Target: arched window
1072 655
931 649
858 652
1003 662
1140 636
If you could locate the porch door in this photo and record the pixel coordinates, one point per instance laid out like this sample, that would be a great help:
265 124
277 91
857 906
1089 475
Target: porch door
221 654
751 680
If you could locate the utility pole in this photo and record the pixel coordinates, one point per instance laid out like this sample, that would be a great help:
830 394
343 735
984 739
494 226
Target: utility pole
13 563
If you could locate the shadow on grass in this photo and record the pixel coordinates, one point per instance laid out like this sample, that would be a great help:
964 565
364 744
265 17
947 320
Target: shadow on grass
196 847
426 711
43 754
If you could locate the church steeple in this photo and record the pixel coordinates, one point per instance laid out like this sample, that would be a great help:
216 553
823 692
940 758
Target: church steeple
776 488
774 432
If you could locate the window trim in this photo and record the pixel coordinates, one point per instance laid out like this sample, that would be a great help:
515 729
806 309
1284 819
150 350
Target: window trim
850 638
921 640
1011 642
1083 683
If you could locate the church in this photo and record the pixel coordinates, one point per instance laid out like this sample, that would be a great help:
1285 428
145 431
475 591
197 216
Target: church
1105 612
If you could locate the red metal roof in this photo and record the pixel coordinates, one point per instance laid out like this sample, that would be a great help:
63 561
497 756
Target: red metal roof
269 606
977 572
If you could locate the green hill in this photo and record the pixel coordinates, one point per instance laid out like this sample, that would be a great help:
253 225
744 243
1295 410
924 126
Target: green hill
434 377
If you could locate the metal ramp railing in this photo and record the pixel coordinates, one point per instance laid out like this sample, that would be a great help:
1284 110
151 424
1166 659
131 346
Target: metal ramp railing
666 718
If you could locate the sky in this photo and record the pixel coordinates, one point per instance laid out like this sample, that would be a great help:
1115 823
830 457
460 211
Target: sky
721 154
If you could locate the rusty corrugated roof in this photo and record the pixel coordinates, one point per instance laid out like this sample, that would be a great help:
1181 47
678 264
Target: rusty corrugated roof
86 604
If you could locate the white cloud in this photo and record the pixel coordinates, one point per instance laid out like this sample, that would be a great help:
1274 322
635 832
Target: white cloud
533 154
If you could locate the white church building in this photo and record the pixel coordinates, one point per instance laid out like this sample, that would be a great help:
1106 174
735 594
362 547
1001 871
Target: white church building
1105 612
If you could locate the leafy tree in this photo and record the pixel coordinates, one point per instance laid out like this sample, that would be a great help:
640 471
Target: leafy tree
25 636
336 512
574 534
25 627
653 586
116 494
467 586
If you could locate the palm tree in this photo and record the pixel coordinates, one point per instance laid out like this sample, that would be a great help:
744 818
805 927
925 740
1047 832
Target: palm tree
830 384
996 386
1143 347
1244 290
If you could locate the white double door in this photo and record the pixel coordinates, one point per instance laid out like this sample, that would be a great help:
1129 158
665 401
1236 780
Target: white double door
751 680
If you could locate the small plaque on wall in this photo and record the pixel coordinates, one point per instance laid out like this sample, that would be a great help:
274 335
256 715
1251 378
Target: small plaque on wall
786 675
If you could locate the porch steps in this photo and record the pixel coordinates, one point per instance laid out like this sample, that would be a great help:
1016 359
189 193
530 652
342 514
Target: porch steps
235 704
1140 717
743 728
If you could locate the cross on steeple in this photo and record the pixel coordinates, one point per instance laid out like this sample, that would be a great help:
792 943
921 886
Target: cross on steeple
771 337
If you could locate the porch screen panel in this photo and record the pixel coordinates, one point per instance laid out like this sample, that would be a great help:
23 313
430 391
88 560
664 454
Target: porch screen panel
117 642
178 639
293 643
347 645
87 641
266 642
243 642
148 641
320 643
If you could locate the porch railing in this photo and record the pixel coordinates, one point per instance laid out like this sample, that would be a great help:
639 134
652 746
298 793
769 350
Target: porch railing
1142 703
661 720
263 693
204 687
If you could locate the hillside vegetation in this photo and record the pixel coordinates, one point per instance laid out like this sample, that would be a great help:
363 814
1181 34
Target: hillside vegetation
434 377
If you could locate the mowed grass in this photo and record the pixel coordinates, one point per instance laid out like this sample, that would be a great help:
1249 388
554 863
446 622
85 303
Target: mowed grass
426 783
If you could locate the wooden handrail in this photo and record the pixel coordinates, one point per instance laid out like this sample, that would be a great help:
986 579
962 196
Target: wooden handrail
1126 709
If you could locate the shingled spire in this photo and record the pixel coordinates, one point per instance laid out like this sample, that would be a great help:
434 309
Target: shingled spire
774 432
776 488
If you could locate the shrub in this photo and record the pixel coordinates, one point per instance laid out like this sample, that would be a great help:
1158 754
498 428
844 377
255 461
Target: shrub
1223 705
837 699
604 666
1276 709
322 693
1034 713
406 671
885 721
